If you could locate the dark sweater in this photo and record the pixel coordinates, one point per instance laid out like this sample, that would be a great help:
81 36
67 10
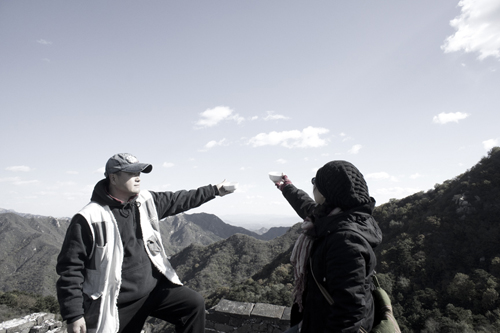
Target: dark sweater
139 276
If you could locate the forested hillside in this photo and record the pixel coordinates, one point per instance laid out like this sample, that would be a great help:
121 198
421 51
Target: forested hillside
30 244
29 247
214 269
439 261
440 258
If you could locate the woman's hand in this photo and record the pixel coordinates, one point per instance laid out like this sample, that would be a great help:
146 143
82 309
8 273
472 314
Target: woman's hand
284 182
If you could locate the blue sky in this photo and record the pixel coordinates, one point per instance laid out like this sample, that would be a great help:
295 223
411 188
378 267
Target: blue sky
214 90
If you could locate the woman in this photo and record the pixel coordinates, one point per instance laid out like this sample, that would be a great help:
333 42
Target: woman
334 250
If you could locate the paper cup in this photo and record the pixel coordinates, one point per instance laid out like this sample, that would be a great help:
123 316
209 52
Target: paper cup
275 176
230 187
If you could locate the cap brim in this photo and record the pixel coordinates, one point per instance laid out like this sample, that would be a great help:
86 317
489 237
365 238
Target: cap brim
138 167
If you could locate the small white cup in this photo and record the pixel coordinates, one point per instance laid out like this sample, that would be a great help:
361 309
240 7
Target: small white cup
275 176
230 187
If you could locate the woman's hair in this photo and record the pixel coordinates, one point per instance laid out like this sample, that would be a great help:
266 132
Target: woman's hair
342 185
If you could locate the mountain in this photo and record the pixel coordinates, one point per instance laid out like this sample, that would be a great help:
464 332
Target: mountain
439 260
29 247
273 232
440 257
3 211
232 261
30 244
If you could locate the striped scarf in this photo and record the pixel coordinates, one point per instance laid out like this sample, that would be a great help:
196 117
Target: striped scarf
300 256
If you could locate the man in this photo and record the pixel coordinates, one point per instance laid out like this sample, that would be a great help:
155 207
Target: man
113 269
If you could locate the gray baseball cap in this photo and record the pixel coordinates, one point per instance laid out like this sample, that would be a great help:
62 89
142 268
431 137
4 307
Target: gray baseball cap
127 163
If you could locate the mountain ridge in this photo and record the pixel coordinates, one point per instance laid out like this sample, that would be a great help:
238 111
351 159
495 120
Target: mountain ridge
31 243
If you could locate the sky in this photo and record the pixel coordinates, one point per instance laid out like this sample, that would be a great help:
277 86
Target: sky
208 91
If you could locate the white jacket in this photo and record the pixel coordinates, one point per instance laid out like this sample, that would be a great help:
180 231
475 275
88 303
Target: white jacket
102 284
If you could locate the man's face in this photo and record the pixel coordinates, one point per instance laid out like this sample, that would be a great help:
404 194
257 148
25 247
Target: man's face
126 184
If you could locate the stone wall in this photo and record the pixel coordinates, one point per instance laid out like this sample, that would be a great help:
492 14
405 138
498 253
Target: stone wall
227 316
238 317
34 323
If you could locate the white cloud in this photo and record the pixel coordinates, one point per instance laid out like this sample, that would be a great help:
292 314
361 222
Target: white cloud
212 117
70 172
307 138
488 144
214 143
254 118
444 118
345 137
168 165
355 149
415 176
100 170
272 116
281 160
43 42
21 168
380 175
477 29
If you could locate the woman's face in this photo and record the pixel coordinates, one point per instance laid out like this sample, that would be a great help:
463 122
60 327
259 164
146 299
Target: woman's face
318 197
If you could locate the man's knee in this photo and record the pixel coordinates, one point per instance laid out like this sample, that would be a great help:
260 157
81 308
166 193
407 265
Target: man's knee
196 300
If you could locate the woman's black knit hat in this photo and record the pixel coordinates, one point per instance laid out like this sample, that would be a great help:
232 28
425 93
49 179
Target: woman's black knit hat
342 185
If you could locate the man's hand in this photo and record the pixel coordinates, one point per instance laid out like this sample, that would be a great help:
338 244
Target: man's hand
78 326
225 188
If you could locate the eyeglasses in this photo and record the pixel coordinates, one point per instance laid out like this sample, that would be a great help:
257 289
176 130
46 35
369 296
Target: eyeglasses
313 180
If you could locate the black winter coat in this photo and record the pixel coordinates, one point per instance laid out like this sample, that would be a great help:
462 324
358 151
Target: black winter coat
139 276
342 261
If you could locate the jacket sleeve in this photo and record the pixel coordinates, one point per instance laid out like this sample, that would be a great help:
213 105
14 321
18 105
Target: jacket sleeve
300 201
171 203
71 264
346 259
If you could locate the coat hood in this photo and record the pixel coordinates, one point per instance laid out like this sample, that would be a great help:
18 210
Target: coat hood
102 196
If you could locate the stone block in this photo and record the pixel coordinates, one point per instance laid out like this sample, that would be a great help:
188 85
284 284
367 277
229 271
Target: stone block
39 329
286 314
218 317
24 326
223 328
268 310
44 317
245 329
235 321
239 308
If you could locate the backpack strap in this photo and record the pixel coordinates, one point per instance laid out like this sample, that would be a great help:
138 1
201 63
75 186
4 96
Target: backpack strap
323 290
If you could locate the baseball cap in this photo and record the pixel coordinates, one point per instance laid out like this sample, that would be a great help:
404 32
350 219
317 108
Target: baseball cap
127 163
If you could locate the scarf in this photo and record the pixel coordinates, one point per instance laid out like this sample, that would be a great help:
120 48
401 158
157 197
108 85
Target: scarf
300 256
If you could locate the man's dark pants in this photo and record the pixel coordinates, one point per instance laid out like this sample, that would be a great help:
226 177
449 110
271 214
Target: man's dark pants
178 305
